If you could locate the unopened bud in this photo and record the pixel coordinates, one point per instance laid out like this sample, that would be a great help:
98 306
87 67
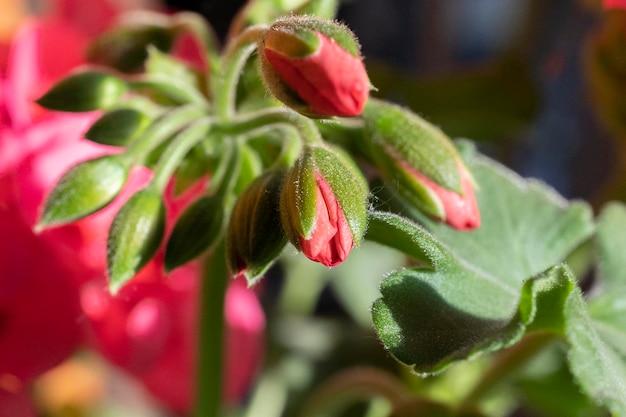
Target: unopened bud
84 189
324 205
84 91
420 162
135 236
314 66
255 237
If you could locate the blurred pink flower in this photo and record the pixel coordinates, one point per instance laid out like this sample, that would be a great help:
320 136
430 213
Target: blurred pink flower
53 285
149 329
615 4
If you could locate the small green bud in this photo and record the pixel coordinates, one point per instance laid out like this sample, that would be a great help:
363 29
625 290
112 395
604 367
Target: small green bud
197 229
135 236
118 127
255 237
84 189
84 91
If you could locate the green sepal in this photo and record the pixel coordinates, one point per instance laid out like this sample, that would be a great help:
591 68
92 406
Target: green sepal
295 43
394 134
126 48
332 29
84 189
298 199
84 91
197 229
255 237
118 127
135 236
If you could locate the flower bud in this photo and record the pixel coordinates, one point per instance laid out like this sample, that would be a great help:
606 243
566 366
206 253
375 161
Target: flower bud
84 189
118 127
135 236
84 91
421 162
314 66
324 205
255 237
197 229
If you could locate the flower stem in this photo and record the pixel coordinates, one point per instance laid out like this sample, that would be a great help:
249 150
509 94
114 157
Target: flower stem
235 57
177 150
276 116
160 131
506 362
211 334
353 385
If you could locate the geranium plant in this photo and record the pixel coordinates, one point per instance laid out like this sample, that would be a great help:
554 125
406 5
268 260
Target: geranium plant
279 143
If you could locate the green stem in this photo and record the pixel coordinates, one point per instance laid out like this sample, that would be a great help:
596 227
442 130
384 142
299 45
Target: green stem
177 149
226 174
506 362
160 131
211 334
235 57
308 131
354 385
171 88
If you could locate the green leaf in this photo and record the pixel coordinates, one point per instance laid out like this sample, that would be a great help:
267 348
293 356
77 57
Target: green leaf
526 226
598 368
429 319
84 189
135 236
84 91
489 285
197 229
118 127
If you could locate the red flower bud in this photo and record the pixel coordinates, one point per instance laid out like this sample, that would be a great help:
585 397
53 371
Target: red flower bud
311 71
323 205
331 240
460 210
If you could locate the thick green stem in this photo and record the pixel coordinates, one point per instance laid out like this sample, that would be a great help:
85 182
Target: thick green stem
211 335
160 131
225 84
308 131
506 362
177 150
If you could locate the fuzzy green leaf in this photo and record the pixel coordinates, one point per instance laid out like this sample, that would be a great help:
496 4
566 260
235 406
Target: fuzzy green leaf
488 286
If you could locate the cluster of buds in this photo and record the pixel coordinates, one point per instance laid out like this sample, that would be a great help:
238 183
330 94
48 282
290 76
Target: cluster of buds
315 197
260 171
